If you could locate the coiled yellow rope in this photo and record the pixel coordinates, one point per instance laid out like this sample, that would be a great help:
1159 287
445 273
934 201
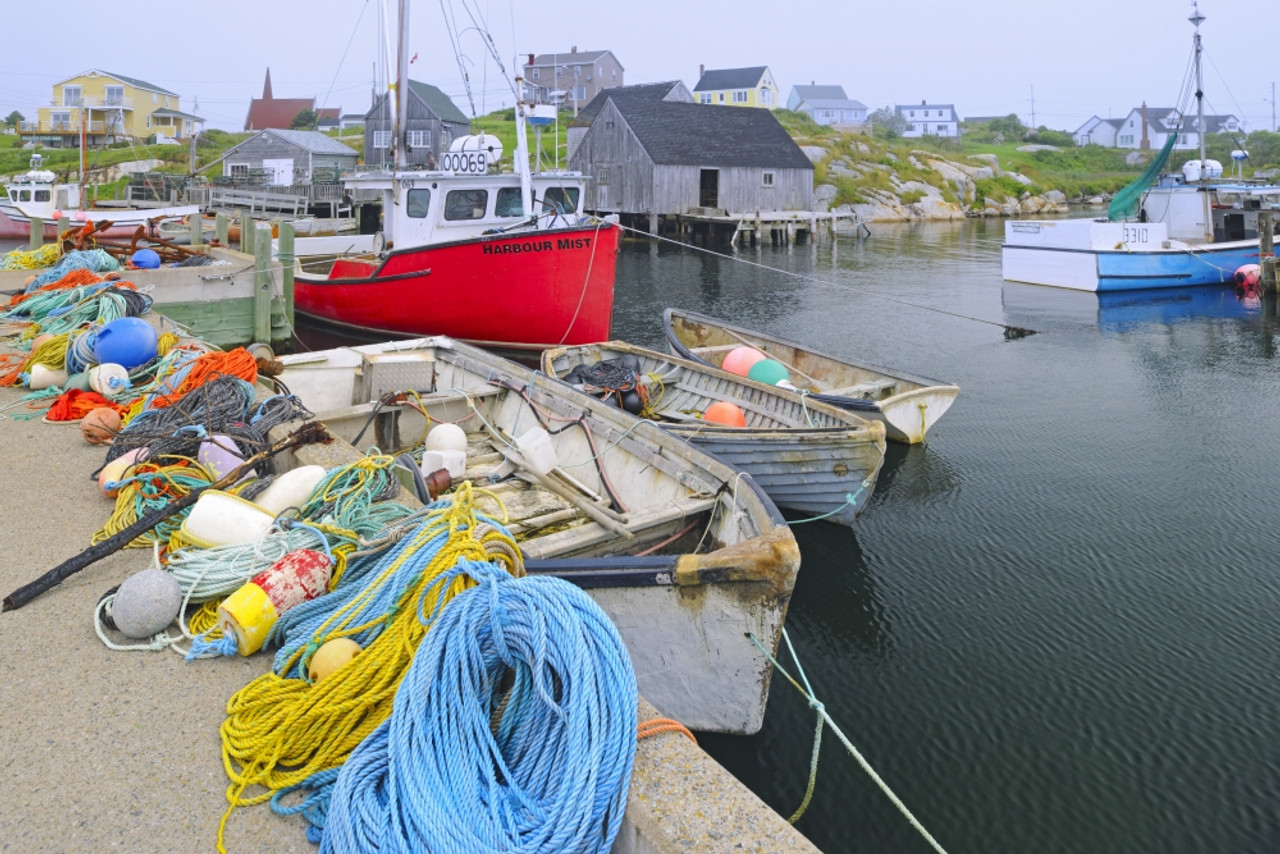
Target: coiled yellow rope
280 731
31 259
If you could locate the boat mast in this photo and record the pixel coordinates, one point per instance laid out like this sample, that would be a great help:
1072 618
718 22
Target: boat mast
1196 20
401 90
84 160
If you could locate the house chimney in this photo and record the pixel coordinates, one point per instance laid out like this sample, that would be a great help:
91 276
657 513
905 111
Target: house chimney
923 102
530 60
813 83
573 49
1145 145
702 70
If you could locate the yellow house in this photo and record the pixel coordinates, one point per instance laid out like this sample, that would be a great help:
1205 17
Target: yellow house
737 87
110 107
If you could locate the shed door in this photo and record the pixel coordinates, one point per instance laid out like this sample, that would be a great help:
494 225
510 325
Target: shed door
282 169
709 188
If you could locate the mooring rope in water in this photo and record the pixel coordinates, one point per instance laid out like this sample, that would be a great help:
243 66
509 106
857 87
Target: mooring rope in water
281 729
1010 332
850 500
823 717
463 765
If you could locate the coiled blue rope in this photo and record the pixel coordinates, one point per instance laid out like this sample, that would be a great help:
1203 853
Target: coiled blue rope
551 774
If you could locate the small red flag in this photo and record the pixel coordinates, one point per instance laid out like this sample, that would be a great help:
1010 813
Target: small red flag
415 58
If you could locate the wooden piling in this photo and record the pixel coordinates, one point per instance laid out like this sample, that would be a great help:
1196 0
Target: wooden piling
220 229
284 253
1266 251
262 283
37 233
247 229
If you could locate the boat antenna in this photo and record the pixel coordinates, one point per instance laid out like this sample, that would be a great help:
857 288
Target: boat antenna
1196 20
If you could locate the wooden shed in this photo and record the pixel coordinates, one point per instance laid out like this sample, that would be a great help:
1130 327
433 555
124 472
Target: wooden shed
431 122
288 158
653 158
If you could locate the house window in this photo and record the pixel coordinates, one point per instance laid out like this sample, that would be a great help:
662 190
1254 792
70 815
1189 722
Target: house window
70 96
114 96
615 74
148 120
508 203
382 139
740 96
60 120
603 178
577 71
559 70
942 130
913 114
767 179
705 97
417 203
419 138
766 97
609 124
465 204
535 73
721 96
911 127
580 93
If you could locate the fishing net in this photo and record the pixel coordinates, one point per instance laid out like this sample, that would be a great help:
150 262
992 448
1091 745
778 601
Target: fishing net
1125 203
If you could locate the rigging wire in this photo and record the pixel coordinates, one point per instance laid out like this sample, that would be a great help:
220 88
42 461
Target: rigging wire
1010 332
325 102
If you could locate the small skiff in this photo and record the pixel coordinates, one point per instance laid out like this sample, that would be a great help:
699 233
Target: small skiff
686 556
907 404
808 456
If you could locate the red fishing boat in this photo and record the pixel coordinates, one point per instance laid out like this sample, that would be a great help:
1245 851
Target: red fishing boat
506 260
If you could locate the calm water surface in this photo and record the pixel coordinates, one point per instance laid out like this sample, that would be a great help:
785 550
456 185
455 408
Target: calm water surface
1054 628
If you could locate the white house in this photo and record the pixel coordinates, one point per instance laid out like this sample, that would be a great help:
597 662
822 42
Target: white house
1098 131
827 105
1149 127
929 119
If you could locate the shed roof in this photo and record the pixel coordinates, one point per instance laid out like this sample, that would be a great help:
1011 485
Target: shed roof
440 103
308 140
572 57
829 93
682 134
731 78
649 91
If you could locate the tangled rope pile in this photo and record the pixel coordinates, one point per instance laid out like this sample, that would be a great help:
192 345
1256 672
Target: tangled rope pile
281 731
463 765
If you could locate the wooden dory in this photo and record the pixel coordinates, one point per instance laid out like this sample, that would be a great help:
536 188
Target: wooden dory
684 555
808 456
907 404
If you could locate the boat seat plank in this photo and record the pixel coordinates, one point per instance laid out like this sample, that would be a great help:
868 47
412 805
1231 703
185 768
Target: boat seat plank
873 387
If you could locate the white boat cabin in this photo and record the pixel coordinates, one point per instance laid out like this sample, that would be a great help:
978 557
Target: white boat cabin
424 208
1233 209
36 194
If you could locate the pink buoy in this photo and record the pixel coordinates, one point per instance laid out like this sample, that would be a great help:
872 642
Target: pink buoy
1248 275
219 455
740 359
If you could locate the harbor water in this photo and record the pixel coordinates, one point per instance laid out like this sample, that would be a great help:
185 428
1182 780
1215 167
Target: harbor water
1054 628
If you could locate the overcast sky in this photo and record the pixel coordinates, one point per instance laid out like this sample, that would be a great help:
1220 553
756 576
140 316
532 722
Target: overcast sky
1065 60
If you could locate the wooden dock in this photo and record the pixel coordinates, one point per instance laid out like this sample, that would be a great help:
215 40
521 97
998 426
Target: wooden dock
713 226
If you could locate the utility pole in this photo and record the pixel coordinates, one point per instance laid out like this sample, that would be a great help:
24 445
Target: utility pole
1033 107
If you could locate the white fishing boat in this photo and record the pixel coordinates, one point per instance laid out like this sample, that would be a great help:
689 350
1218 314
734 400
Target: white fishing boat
685 555
37 194
1187 229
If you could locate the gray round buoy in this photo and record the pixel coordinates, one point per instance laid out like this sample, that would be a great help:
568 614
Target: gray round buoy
146 603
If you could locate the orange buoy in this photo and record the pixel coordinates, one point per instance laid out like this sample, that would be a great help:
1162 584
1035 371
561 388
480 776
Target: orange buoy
100 425
726 414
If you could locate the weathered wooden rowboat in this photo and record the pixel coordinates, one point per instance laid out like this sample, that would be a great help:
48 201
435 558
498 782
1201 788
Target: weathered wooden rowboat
907 404
686 556
808 456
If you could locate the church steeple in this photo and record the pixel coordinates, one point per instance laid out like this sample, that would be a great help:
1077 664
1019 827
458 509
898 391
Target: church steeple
266 87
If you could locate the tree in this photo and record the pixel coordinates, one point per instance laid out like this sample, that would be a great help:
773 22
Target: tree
304 120
1011 126
14 118
890 119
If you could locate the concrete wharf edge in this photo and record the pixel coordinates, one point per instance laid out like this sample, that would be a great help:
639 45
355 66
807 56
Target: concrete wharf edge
103 750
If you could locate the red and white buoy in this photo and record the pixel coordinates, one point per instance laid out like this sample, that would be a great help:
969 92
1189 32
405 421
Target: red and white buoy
249 613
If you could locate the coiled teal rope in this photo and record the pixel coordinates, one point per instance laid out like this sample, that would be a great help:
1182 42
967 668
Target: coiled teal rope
550 776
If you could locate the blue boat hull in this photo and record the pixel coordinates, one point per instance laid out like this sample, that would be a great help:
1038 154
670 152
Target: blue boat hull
1208 265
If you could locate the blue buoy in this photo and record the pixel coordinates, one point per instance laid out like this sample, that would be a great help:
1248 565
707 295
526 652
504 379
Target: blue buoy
126 341
145 259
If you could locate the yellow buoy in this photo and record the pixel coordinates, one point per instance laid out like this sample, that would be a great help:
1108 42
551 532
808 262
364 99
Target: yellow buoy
330 656
247 615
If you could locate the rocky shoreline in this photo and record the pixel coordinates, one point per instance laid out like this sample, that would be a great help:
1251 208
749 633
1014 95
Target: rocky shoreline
927 201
